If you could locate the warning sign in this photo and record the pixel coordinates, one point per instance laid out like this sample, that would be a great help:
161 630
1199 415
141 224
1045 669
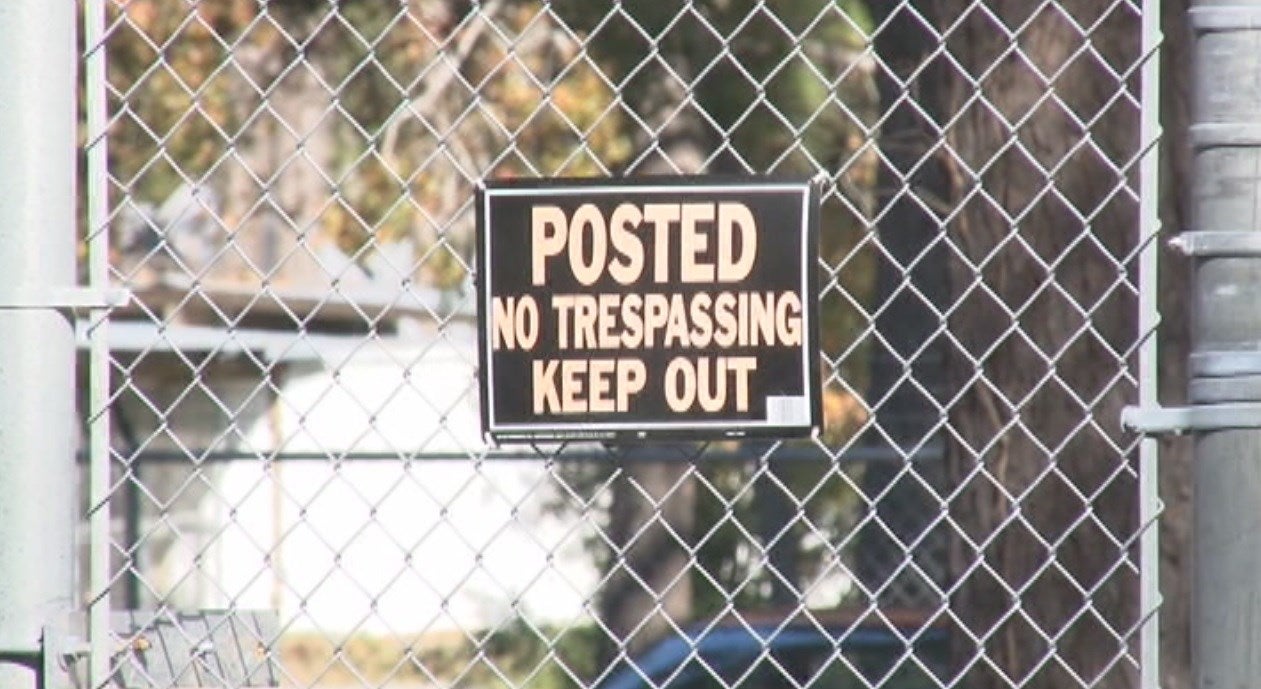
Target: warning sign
658 307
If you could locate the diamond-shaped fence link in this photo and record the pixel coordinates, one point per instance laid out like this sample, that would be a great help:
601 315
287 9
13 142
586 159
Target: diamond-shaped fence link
287 409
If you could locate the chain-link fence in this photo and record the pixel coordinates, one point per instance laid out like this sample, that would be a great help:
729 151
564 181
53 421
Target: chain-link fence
291 484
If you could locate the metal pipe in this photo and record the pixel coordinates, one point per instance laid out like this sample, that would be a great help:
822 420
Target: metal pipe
38 506
860 454
1148 354
96 187
1226 197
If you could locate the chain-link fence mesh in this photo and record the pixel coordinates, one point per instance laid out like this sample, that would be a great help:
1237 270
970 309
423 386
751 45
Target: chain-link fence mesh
299 491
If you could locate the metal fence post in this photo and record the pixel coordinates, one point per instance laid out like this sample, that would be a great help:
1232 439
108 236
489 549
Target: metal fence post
37 356
1226 199
1150 136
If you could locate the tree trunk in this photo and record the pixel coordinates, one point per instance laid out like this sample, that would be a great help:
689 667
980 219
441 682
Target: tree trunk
1042 218
651 519
653 513
907 360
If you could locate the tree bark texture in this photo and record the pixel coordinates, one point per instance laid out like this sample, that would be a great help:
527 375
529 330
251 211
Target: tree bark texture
1031 111
907 360
648 591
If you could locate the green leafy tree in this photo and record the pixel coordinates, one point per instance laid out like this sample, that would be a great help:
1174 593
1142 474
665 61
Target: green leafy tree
355 124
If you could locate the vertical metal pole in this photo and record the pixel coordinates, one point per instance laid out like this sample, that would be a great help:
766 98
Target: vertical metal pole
1225 134
38 427
99 429
1148 354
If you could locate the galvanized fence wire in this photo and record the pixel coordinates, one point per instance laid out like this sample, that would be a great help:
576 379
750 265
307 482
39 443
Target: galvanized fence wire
288 484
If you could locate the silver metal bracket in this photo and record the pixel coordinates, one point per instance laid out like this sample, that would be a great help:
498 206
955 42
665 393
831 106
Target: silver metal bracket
1225 385
70 299
1225 364
57 655
1209 244
1193 419
65 656
1225 377
1232 18
1224 135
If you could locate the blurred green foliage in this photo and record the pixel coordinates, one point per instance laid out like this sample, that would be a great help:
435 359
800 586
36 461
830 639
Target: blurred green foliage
415 102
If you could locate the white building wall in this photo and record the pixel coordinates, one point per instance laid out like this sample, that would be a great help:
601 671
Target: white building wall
401 545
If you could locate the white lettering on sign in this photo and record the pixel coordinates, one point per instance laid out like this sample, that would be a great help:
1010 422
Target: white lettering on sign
515 322
579 386
682 234
703 381
699 321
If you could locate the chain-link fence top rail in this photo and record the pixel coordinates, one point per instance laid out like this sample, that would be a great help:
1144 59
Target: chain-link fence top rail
293 414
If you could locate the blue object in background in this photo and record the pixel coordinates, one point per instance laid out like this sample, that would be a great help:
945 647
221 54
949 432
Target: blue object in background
775 654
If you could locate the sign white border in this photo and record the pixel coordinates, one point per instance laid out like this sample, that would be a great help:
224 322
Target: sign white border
594 430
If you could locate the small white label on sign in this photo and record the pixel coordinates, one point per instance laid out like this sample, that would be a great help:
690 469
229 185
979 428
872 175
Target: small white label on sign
787 410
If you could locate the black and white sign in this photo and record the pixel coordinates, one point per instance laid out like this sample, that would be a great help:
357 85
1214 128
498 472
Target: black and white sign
657 307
